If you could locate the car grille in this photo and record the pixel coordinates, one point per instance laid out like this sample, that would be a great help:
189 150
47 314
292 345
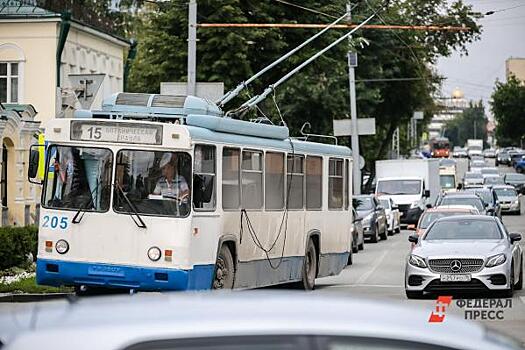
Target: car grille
467 265
438 286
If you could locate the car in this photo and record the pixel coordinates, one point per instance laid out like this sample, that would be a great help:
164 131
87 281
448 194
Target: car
432 214
374 222
493 180
515 155
509 199
472 178
488 196
503 157
488 171
393 216
459 152
519 165
474 253
477 163
489 153
463 198
358 238
516 180
207 321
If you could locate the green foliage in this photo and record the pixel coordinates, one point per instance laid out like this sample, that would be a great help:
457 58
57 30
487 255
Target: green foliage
17 244
28 285
472 124
508 107
319 93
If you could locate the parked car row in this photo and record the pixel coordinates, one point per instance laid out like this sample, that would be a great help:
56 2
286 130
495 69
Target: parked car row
379 217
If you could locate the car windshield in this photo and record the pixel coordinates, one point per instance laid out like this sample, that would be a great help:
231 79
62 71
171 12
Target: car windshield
385 203
493 180
516 178
473 176
447 181
430 217
505 192
470 229
474 202
363 203
447 162
394 187
485 195
78 178
153 182
489 171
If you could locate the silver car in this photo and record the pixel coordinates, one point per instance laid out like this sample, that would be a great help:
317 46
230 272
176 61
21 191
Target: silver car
509 199
248 321
465 253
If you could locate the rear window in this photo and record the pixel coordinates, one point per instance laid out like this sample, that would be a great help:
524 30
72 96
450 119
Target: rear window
463 229
475 202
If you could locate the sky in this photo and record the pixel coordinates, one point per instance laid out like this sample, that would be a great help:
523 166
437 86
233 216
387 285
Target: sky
503 37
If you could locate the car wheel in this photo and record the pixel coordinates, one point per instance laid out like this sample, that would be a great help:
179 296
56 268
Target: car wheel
375 237
224 269
519 285
509 292
361 246
384 235
411 294
350 260
398 229
355 249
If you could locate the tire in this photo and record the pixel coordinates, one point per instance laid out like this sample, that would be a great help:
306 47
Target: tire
224 276
509 292
384 235
398 229
361 246
309 267
350 258
355 248
519 285
411 294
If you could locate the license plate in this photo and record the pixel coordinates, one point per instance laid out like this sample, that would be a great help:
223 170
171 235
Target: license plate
455 278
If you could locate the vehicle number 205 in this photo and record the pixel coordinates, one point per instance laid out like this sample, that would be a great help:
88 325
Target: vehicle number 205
55 222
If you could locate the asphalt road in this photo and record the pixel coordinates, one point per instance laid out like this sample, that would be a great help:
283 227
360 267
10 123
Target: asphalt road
378 272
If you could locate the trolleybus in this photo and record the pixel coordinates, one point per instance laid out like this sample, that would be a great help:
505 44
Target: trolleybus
157 192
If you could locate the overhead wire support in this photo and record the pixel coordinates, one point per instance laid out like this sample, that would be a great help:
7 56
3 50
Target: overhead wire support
256 99
235 92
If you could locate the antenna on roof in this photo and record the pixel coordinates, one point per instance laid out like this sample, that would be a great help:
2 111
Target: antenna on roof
235 92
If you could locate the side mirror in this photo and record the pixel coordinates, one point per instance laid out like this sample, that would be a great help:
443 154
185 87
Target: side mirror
34 164
429 205
380 207
515 237
411 227
426 194
413 238
357 219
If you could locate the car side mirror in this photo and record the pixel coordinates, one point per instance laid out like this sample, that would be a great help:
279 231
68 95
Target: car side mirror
411 227
426 194
413 238
515 237
429 205
34 164
357 219
380 207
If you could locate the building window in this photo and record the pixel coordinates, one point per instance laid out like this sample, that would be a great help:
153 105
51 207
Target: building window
204 178
335 184
230 178
9 82
274 180
252 179
314 182
295 170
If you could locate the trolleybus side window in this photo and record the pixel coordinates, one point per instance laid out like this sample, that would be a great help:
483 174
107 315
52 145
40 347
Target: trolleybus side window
295 171
314 182
204 178
335 183
78 178
152 183
230 178
252 179
274 181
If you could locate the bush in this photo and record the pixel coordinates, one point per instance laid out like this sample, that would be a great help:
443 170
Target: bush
16 243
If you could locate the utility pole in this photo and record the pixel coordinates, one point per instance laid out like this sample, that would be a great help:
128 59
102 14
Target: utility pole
352 63
192 48
475 129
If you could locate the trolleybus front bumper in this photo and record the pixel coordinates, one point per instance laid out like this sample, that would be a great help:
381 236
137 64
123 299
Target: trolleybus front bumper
69 273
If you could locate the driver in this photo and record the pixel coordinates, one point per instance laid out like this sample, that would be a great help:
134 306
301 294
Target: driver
171 184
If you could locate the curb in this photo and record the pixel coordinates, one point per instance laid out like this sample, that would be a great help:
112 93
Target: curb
29 298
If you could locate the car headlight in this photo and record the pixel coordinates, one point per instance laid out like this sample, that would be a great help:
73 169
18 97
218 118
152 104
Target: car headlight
496 260
414 205
154 253
417 261
517 201
62 246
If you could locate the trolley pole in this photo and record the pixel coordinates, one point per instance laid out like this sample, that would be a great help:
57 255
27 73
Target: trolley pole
192 48
352 63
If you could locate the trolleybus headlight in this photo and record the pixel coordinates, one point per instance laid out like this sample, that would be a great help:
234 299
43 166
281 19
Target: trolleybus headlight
154 253
62 246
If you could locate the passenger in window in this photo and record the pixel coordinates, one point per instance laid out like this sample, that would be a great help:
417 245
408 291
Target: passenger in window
171 184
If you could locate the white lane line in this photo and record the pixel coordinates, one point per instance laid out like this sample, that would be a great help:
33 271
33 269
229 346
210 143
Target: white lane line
367 274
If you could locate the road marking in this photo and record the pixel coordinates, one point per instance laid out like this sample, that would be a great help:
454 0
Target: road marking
367 274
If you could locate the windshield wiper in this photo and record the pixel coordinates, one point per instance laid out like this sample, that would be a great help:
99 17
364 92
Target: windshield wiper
141 223
84 207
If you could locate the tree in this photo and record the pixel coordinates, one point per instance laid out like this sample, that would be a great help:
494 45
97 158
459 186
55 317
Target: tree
471 124
319 93
508 106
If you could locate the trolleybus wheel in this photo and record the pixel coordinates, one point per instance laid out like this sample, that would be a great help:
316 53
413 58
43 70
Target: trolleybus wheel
309 267
224 270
